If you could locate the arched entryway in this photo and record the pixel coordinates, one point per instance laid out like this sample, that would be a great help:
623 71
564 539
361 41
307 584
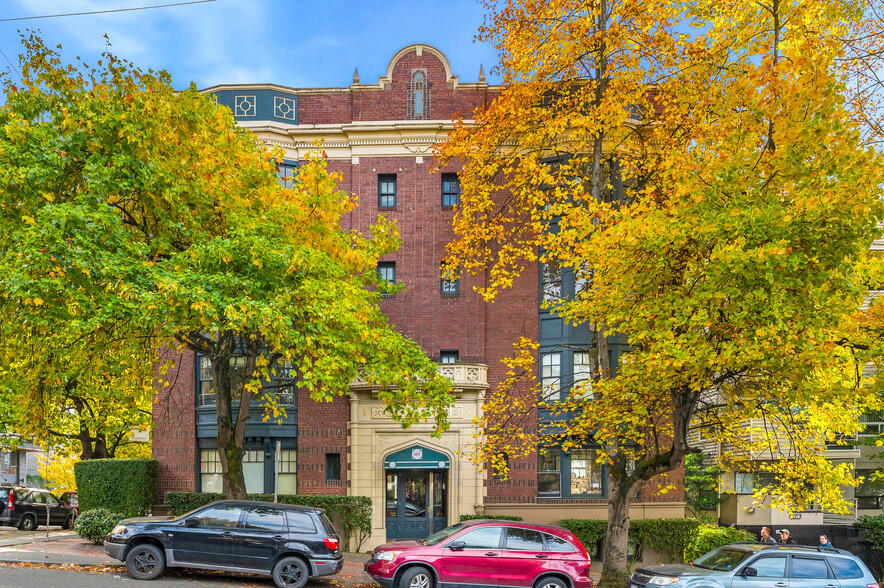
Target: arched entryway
416 492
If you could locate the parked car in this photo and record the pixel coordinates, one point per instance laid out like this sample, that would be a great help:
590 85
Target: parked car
751 565
485 553
70 499
26 508
289 543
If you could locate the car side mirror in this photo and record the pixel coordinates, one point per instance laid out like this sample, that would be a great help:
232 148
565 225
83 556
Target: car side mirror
192 522
750 572
456 546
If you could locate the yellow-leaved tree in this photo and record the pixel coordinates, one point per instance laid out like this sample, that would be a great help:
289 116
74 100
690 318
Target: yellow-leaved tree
714 198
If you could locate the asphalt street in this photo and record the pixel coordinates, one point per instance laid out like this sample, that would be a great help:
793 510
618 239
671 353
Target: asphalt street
29 576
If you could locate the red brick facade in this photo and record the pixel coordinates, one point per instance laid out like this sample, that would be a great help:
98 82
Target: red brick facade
174 430
482 333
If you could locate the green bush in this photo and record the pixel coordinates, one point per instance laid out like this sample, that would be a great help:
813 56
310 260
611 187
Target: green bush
669 536
353 512
589 531
708 537
478 517
678 539
182 502
96 524
127 486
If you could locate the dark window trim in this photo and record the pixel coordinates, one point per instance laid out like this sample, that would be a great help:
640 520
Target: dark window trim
387 178
328 469
387 265
450 198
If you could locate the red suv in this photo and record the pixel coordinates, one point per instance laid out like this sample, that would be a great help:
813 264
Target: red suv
485 553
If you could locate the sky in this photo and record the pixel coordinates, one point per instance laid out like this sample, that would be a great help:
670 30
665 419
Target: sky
287 42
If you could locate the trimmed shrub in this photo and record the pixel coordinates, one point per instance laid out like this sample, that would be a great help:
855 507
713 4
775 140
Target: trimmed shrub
708 537
353 512
96 524
679 539
182 502
477 517
589 531
669 536
126 486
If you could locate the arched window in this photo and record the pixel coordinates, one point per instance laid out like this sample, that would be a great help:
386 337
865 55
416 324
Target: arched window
418 95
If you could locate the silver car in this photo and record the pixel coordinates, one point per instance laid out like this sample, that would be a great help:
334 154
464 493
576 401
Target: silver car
750 565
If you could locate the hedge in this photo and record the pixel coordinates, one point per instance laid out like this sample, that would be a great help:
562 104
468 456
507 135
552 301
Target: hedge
97 524
354 512
680 539
708 537
478 517
126 486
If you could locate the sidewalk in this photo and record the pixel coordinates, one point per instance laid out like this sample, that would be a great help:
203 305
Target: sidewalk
66 549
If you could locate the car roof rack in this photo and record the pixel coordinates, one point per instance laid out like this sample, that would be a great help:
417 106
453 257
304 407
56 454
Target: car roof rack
794 545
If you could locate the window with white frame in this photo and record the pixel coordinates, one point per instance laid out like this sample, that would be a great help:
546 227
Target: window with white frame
551 286
210 471
204 385
582 387
287 476
551 376
586 474
549 472
253 471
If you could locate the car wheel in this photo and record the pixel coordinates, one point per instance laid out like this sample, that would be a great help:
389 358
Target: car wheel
145 562
68 522
290 572
416 577
550 583
27 523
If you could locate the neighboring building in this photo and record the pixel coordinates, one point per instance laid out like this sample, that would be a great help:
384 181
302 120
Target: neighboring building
19 461
379 137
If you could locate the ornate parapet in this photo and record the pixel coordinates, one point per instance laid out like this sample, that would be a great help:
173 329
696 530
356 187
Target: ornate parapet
463 376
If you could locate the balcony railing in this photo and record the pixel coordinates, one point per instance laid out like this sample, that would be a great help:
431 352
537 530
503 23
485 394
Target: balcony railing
283 398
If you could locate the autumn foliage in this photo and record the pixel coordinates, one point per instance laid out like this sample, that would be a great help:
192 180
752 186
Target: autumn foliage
715 194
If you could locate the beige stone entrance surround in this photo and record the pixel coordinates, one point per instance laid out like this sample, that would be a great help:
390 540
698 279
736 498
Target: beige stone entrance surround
374 436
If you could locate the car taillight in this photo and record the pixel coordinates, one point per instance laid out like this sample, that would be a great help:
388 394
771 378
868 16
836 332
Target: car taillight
871 586
9 503
332 543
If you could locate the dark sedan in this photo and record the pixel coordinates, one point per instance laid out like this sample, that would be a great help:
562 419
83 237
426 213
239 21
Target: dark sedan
289 543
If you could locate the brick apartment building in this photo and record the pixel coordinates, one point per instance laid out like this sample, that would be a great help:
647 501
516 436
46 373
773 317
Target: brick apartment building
379 136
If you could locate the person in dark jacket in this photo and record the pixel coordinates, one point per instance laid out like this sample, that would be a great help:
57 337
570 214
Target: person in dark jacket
784 537
766 539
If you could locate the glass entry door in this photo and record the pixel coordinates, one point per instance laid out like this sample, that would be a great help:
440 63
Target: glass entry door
416 503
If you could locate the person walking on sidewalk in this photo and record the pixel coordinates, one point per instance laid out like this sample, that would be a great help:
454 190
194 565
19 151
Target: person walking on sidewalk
784 537
766 539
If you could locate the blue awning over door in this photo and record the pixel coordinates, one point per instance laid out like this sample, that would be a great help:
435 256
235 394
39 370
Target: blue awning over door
417 458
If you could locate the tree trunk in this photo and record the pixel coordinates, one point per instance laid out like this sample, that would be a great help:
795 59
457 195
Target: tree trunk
231 432
614 565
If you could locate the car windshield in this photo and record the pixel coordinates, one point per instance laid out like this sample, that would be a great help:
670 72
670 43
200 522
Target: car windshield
722 559
443 534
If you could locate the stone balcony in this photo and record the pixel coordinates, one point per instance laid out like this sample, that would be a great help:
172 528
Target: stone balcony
463 376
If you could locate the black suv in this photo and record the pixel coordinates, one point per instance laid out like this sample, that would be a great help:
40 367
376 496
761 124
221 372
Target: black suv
289 543
26 508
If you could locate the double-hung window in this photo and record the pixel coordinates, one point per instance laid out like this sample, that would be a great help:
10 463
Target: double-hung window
387 191
551 376
450 191
387 273
549 472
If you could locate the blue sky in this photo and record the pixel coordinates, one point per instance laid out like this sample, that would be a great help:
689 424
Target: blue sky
288 42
